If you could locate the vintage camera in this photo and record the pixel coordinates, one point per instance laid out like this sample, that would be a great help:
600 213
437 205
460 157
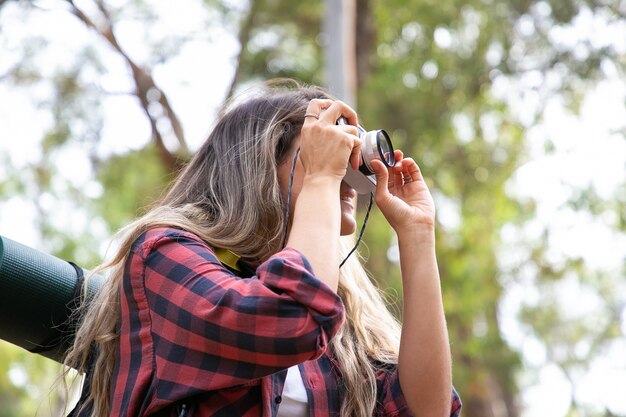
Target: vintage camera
375 144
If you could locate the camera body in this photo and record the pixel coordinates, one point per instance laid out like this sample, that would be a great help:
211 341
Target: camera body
375 144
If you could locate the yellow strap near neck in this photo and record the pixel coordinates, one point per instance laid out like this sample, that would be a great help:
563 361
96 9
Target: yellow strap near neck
228 258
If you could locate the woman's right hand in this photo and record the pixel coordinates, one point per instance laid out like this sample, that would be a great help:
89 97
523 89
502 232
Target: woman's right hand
325 147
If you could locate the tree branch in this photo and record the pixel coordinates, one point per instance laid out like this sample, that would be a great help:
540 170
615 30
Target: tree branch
244 37
146 90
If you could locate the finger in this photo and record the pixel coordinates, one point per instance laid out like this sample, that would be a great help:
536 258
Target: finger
398 155
355 155
411 170
398 178
339 109
382 176
351 130
316 107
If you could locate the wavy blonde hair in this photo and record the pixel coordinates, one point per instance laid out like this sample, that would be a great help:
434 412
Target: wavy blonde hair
229 196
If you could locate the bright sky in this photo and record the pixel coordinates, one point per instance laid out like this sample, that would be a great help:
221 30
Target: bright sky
590 150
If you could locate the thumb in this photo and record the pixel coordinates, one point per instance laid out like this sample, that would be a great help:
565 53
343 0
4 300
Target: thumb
382 177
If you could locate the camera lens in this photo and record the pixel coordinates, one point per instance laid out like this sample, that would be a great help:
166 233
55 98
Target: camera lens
375 144
385 149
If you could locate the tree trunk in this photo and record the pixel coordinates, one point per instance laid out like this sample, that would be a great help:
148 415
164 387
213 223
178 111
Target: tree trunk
340 25
365 40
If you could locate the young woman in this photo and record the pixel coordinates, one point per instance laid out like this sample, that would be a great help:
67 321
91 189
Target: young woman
220 303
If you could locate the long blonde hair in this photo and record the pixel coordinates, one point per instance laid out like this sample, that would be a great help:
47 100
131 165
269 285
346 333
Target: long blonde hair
229 196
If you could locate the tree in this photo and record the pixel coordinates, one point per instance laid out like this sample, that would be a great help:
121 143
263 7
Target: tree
428 72
431 78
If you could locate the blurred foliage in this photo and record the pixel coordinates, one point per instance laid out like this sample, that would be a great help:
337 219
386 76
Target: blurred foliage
427 71
130 191
30 384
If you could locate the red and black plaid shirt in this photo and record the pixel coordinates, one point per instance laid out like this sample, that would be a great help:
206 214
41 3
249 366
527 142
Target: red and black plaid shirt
192 332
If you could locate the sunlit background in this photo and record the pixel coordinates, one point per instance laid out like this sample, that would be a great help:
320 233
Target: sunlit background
515 110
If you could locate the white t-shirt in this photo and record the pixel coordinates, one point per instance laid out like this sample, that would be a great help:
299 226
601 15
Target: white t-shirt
295 402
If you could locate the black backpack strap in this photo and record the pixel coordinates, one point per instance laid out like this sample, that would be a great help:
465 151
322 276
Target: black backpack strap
86 389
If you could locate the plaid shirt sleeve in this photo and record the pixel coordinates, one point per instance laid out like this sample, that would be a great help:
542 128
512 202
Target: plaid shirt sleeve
211 329
391 401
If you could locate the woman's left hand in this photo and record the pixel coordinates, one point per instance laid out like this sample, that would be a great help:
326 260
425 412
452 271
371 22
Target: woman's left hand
402 195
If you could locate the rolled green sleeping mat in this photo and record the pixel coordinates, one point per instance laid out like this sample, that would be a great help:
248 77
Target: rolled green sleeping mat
38 292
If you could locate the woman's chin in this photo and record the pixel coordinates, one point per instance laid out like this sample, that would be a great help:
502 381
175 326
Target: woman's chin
348 224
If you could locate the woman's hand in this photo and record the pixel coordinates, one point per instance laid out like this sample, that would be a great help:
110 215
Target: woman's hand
326 147
402 195
424 368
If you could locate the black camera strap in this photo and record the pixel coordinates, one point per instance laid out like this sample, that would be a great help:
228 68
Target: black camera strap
367 214
356 245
